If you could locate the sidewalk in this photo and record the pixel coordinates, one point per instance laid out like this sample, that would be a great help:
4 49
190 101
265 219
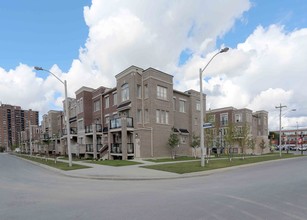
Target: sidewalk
132 172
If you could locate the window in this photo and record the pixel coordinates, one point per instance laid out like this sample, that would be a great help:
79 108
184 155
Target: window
146 91
146 116
158 116
80 105
162 116
138 91
161 92
139 116
125 92
107 102
238 118
181 106
115 99
198 105
224 119
96 105
107 119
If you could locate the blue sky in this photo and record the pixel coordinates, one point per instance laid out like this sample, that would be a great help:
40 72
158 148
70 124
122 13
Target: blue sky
41 32
266 40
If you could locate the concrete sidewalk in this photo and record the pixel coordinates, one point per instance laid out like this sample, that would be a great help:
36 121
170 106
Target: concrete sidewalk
132 172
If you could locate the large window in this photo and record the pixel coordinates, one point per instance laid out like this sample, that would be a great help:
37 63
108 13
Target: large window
97 105
161 116
181 106
146 91
139 116
107 102
224 119
161 92
198 105
146 116
139 91
125 92
238 117
114 98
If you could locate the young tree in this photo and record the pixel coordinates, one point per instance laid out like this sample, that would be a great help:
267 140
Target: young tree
251 143
242 138
195 144
262 145
230 139
173 142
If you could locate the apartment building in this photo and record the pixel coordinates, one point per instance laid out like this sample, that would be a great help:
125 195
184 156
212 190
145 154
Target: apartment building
14 121
133 119
255 122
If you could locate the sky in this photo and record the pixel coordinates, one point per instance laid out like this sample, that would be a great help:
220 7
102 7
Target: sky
88 42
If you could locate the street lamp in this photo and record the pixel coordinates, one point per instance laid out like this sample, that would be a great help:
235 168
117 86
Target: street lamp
280 109
66 110
202 137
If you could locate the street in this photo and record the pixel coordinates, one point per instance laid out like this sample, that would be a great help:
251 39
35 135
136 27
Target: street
273 190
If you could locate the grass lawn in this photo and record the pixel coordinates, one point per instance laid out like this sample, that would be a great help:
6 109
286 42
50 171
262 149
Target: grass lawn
51 163
161 160
115 163
194 166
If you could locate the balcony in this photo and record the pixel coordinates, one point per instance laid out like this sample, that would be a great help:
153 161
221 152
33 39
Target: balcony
116 148
89 148
117 123
89 128
73 130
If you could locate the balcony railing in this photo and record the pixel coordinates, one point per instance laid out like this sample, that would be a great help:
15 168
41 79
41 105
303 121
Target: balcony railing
117 123
89 128
116 148
90 147
73 130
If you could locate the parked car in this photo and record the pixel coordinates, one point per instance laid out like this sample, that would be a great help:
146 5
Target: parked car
302 148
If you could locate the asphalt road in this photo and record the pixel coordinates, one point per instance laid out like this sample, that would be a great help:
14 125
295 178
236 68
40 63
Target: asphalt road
275 190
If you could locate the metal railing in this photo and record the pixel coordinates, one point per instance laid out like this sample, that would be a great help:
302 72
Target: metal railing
116 148
117 123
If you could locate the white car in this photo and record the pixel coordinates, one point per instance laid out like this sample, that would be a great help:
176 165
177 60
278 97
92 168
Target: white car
302 148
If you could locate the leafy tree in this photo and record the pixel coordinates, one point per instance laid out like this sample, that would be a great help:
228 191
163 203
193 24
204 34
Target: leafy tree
173 141
230 139
242 137
195 143
251 143
262 145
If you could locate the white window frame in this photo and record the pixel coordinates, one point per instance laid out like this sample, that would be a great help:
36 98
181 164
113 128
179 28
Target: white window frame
182 106
161 92
125 92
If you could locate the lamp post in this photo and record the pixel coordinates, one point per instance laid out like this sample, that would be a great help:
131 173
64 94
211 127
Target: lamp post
202 137
66 111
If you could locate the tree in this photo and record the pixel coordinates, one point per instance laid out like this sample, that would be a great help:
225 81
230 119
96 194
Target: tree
173 141
230 140
251 143
262 145
195 143
242 137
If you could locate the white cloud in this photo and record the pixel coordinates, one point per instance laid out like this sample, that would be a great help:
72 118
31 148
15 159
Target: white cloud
266 69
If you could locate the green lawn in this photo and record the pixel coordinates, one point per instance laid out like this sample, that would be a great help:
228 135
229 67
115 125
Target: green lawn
194 166
51 163
161 160
115 163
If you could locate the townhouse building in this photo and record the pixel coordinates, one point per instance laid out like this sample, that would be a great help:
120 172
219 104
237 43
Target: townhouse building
13 122
133 119
255 122
289 137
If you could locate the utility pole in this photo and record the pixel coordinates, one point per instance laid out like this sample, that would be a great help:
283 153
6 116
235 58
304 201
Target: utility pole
280 109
